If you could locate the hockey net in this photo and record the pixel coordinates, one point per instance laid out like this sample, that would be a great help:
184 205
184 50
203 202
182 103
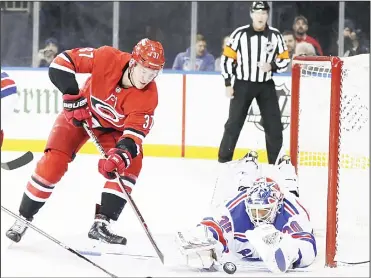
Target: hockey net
329 146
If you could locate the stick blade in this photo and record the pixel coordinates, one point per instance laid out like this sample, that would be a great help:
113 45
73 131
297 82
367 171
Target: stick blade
18 162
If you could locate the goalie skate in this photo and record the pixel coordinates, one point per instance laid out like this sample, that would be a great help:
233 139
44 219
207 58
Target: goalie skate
101 231
284 164
17 231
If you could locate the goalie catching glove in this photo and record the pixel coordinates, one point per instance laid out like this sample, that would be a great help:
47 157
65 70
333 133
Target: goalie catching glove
198 246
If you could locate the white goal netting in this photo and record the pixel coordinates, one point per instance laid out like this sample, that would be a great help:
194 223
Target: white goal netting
353 204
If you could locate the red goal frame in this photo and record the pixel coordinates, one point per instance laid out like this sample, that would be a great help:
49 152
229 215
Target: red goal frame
334 141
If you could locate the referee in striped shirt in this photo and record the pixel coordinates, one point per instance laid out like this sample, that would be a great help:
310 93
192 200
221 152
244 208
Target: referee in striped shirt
253 53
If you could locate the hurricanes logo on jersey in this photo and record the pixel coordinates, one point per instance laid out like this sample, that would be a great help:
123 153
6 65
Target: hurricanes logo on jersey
106 110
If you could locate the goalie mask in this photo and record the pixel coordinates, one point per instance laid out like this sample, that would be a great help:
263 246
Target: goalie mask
263 201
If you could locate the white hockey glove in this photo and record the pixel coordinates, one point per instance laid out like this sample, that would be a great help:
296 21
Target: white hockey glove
277 250
198 246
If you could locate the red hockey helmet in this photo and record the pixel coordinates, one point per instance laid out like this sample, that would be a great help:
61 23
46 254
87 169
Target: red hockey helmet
149 54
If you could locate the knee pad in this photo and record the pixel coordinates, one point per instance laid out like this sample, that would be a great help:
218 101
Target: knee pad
52 166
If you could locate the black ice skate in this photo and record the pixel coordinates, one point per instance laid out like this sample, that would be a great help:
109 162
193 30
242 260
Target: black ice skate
101 231
16 232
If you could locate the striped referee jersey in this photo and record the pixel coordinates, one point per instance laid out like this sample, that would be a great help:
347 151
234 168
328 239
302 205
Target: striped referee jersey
247 48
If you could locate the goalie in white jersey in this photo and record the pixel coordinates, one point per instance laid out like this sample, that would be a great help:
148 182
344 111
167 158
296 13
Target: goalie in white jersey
265 221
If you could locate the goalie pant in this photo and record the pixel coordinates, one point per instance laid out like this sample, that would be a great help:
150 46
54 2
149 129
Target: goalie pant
231 224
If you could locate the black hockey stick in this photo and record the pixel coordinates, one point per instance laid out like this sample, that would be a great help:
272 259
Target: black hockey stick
127 195
55 240
18 162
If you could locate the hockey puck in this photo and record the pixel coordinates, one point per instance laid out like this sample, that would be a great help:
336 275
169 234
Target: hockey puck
229 268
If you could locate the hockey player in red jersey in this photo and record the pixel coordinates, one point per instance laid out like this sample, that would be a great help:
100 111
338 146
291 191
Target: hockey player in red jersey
118 101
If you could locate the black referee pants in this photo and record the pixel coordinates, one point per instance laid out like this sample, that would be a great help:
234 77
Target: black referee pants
266 98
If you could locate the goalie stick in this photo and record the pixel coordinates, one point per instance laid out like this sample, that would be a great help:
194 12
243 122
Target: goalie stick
126 194
18 162
99 253
28 224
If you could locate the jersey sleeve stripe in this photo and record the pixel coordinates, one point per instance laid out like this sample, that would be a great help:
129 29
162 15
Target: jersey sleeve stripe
217 232
291 206
69 58
66 57
236 202
240 237
63 68
235 198
288 209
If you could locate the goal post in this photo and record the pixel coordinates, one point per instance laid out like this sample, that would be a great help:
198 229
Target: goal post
329 129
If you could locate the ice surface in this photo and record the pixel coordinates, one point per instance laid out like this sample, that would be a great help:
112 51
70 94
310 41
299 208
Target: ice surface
171 194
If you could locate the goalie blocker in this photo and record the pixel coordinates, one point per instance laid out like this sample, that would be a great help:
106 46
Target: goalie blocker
265 221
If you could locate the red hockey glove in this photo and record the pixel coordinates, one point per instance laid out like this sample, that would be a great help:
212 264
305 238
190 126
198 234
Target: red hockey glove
76 110
117 160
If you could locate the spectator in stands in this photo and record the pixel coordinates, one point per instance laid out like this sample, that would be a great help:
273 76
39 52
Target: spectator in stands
204 60
46 55
300 28
358 44
290 42
217 60
354 41
348 29
304 49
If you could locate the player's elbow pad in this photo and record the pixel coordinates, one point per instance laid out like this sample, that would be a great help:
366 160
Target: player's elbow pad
129 145
64 81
